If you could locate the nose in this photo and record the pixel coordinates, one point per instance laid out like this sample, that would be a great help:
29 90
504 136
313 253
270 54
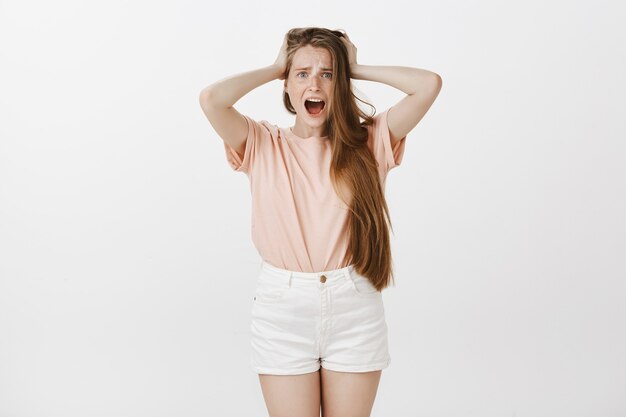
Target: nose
314 83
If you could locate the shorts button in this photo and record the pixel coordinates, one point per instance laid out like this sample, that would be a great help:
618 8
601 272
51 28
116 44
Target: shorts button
323 278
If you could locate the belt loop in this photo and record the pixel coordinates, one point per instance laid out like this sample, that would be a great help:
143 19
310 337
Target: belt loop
346 272
289 277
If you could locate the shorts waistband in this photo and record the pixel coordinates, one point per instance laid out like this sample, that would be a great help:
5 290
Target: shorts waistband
287 276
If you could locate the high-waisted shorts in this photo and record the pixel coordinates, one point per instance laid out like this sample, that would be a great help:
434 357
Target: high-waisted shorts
303 320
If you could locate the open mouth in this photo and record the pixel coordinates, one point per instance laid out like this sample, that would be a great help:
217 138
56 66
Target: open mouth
314 107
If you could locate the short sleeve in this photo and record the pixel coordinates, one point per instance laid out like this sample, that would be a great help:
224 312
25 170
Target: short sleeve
388 157
244 163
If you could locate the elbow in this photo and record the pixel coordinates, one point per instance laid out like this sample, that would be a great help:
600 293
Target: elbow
429 83
207 98
437 80
437 83
205 95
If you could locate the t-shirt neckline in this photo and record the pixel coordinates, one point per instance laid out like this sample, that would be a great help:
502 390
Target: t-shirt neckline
299 138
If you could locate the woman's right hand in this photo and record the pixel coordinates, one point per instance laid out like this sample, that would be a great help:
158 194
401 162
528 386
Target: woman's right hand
281 59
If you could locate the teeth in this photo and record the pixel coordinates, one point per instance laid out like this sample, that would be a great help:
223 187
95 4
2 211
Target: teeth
314 100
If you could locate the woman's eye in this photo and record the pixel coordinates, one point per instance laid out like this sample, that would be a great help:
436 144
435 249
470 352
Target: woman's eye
329 74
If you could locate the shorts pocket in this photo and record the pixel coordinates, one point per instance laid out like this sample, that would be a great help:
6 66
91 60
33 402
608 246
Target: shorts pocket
269 292
362 286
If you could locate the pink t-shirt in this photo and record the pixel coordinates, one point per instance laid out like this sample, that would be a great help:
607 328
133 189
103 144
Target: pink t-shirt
298 222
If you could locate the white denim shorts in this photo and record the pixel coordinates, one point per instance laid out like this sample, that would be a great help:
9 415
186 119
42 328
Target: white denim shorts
303 320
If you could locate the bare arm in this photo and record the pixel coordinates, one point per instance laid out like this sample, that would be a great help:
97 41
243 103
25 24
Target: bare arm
218 98
229 90
407 79
420 85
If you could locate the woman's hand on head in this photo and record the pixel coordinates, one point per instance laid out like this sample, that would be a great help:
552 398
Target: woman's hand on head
281 59
350 47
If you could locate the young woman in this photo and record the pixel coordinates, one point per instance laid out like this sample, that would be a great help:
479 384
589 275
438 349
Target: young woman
319 219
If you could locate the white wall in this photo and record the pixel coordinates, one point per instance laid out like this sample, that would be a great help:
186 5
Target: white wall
126 264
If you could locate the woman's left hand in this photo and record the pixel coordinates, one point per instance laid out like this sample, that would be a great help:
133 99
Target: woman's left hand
351 49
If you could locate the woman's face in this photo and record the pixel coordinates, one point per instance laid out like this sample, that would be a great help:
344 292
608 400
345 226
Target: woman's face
310 76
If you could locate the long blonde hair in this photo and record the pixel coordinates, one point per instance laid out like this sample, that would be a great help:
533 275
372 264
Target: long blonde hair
353 171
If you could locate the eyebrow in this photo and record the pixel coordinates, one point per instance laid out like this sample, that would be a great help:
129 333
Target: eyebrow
308 68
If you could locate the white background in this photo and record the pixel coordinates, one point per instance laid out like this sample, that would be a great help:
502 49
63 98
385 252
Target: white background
126 263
